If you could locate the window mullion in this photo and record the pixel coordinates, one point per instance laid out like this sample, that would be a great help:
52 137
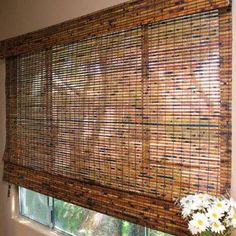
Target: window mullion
51 212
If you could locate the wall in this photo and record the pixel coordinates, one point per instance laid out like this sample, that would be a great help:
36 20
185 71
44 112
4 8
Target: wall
3 209
22 16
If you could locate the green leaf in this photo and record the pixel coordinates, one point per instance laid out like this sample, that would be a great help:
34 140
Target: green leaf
206 234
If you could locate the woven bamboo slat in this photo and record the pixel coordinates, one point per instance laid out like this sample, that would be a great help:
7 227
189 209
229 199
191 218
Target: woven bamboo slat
125 110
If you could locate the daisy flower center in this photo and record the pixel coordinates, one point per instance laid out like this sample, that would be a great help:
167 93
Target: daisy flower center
214 215
234 216
200 222
216 225
219 204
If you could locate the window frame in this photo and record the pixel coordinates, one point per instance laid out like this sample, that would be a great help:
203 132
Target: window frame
51 227
22 222
49 206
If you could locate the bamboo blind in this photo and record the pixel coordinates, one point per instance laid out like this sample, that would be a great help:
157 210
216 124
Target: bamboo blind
128 119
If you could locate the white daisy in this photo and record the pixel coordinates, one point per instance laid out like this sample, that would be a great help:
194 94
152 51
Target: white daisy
221 205
186 211
232 203
199 222
189 204
201 201
194 230
214 214
197 203
217 227
203 197
185 201
233 218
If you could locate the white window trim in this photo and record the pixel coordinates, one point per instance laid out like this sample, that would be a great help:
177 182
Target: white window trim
21 221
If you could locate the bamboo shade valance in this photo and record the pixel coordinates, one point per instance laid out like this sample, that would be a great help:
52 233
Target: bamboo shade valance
126 119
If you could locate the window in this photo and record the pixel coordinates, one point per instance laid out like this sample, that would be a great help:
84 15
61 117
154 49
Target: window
76 220
122 112
35 206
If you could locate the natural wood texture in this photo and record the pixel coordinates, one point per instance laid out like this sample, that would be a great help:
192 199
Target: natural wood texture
129 120
225 36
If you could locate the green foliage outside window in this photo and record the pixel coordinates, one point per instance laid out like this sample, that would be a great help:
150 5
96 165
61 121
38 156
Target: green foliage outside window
76 220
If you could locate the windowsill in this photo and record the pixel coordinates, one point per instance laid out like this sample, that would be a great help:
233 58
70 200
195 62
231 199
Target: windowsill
23 224
34 226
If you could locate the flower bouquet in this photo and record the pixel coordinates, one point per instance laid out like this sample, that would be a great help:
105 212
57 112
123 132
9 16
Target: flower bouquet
208 215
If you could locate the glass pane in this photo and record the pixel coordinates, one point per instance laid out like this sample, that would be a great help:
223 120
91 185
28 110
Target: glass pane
152 232
80 221
129 229
83 222
34 206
